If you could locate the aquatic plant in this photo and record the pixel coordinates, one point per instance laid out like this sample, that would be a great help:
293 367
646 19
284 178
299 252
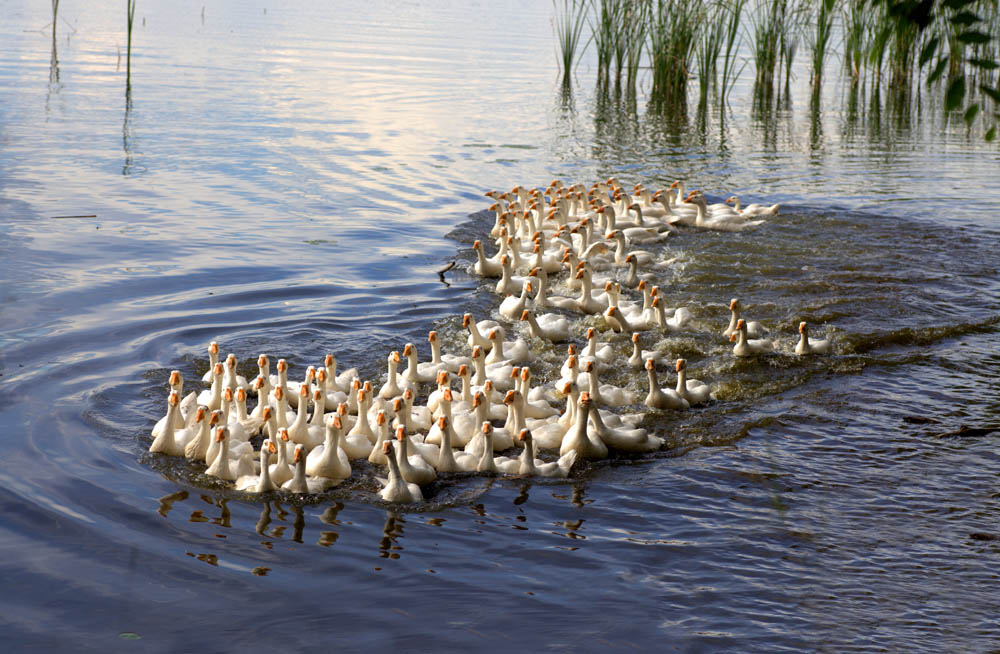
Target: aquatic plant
820 41
568 23
130 10
672 37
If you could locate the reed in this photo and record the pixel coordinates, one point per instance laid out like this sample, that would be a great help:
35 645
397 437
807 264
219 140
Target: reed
672 36
766 26
569 21
636 21
130 9
729 73
820 41
603 34
707 49
857 24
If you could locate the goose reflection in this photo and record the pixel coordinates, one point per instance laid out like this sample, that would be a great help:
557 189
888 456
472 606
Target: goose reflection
167 502
388 546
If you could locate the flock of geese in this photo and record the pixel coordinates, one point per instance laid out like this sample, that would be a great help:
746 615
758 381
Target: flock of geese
563 254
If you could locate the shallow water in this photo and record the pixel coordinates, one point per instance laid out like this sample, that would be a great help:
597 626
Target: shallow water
288 179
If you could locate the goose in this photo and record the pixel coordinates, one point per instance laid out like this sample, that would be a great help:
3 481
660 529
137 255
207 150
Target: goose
752 209
639 357
746 347
434 399
805 346
263 373
476 330
418 416
225 467
282 413
693 390
395 489
662 398
544 299
579 438
167 442
489 463
549 326
529 466
412 373
300 431
381 435
624 438
548 432
231 380
328 459
618 323
448 459
262 389
587 302
392 388
732 222
513 305
292 389
361 426
428 451
280 471
197 447
212 397
485 266
599 353
236 430
341 382
622 251
754 328
449 362
318 418
300 483
633 276
179 421
459 438
280 380
503 353
534 401
213 358
675 323
413 469
509 283
606 394
502 440
251 425
260 483
646 198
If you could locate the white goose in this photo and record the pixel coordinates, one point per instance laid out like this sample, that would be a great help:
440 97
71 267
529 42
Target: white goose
476 330
413 469
395 489
693 390
166 442
213 358
513 305
748 347
260 483
300 483
579 438
639 357
529 466
449 362
624 438
662 398
752 209
754 328
328 459
805 346
549 326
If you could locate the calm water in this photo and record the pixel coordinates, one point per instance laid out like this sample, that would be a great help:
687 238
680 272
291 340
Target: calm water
287 179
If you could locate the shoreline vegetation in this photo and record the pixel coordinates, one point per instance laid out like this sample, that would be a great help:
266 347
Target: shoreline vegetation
908 52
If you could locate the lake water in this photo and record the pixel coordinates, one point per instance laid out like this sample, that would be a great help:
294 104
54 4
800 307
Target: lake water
287 179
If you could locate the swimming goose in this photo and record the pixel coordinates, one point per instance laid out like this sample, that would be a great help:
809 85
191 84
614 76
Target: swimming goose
693 390
413 469
606 394
503 353
639 357
485 266
196 448
395 489
225 467
412 374
212 397
231 380
213 358
179 421
281 470
260 483
449 362
166 442
550 327
805 346
300 483
624 438
513 305
292 389
662 398
300 431
579 438
754 328
489 463
476 330
328 459
529 466
752 209
746 347
448 459
391 388
731 222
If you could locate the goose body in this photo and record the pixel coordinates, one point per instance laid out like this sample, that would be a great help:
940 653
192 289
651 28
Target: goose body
807 346
746 347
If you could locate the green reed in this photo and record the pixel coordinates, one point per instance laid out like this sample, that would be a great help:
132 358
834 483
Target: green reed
708 46
569 21
130 9
766 22
604 34
820 41
856 26
674 25
729 73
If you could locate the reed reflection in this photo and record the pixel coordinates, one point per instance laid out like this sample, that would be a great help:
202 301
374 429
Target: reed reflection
54 84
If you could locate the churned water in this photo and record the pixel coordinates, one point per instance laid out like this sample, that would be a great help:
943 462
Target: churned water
287 179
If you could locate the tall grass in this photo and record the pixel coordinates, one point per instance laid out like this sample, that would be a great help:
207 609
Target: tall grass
734 11
708 46
672 36
602 19
856 17
820 41
569 21
130 9
766 20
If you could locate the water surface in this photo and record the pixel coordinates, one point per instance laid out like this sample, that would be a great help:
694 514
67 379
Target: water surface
287 179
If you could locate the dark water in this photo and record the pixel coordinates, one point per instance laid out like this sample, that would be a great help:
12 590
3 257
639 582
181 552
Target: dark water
287 180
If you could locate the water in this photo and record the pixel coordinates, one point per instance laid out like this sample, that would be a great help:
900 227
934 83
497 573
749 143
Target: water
285 180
